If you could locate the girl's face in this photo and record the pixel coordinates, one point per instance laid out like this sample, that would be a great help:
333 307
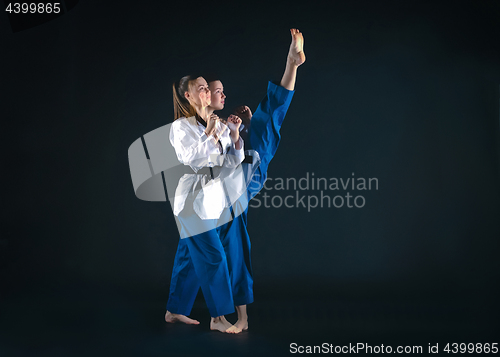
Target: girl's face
199 93
218 96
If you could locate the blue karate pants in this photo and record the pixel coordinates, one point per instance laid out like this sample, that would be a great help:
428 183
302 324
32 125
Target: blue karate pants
200 261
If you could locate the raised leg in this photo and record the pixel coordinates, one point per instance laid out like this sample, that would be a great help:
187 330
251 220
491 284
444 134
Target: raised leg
295 58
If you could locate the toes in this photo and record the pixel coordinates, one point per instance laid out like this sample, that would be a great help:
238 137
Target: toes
233 329
187 320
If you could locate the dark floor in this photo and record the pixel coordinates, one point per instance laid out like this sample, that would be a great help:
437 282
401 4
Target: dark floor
79 323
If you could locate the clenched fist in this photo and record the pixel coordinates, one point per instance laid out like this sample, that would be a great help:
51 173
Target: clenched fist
233 123
244 113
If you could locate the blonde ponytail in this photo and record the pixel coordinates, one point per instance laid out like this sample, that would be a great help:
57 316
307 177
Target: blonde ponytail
182 108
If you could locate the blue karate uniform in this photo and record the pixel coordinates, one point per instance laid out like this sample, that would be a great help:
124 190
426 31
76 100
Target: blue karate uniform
200 261
263 137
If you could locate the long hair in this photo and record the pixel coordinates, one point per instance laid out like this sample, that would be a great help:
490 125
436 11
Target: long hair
182 108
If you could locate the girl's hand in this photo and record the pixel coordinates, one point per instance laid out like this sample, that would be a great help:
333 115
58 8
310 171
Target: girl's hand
233 123
244 113
212 120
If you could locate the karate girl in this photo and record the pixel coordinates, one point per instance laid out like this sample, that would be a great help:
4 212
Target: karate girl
207 146
263 137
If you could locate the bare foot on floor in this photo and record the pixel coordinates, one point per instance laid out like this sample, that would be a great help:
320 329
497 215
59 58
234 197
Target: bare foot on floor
241 325
296 53
221 324
169 317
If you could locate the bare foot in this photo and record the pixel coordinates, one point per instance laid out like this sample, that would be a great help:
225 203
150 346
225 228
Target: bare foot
221 324
233 329
296 53
169 317
241 325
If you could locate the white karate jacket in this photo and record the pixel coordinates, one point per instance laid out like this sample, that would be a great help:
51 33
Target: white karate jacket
194 148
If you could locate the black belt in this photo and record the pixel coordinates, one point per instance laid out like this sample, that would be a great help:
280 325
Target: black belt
247 160
211 171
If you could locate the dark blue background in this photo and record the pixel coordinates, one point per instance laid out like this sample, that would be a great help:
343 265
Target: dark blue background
407 92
